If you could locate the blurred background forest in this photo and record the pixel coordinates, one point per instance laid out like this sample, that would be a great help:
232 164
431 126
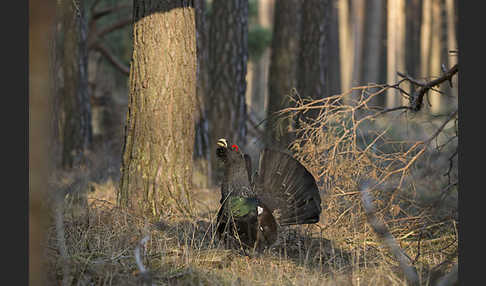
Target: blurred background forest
382 75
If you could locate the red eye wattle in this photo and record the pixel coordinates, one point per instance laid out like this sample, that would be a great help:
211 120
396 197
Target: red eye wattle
234 147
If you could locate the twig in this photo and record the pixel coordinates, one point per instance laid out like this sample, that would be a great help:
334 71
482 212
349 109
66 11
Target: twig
384 234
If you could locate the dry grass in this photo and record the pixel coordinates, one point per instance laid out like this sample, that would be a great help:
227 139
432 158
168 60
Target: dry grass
416 202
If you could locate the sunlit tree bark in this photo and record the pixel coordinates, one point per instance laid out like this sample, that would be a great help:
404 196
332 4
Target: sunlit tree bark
159 132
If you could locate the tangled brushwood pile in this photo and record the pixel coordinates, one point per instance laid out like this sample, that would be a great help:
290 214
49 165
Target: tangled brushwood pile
412 159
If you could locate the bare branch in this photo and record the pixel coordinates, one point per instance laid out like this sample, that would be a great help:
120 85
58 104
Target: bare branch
105 11
384 234
112 59
118 25
416 99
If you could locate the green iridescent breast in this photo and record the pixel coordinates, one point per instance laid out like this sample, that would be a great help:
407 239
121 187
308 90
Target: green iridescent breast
240 207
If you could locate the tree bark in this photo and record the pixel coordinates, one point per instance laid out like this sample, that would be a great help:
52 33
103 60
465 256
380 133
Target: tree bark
313 58
283 68
228 56
77 130
159 132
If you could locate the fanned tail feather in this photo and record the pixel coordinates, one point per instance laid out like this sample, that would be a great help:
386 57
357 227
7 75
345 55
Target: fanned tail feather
287 188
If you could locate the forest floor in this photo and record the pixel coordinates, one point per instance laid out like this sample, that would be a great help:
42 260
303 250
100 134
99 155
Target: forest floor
93 242
101 239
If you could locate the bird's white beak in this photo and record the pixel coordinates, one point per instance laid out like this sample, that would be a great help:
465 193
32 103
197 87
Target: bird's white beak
222 143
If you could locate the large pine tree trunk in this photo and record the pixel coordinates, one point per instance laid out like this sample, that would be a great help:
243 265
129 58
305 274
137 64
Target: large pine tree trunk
283 68
228 56
77 131
159 131
313 58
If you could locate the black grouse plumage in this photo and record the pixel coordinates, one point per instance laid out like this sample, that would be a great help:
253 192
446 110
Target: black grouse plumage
281 193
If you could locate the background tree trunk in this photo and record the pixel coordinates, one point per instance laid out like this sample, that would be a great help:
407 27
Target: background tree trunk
358 31
334 74
259 92
283 68
228 56
345 45
395 48
77 131
452 41
373 44
435 55
201 143
312 65
41 20
159 132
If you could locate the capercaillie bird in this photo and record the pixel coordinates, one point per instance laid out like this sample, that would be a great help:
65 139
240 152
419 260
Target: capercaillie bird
253 207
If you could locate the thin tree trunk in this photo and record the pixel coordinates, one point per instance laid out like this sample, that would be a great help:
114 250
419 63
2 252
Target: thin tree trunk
259 92
312 65
283 68
41 16
334 74
425 37
159 132
452 42
77 133
228 57
435 55
373 44
345 45
395 49
201 143
358 29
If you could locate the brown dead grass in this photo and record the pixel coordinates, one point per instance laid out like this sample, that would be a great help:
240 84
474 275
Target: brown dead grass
414 203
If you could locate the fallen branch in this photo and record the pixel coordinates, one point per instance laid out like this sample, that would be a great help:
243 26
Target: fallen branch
384 234
145 275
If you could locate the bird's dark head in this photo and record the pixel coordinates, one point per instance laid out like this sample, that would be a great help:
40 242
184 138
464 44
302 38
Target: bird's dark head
228 153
